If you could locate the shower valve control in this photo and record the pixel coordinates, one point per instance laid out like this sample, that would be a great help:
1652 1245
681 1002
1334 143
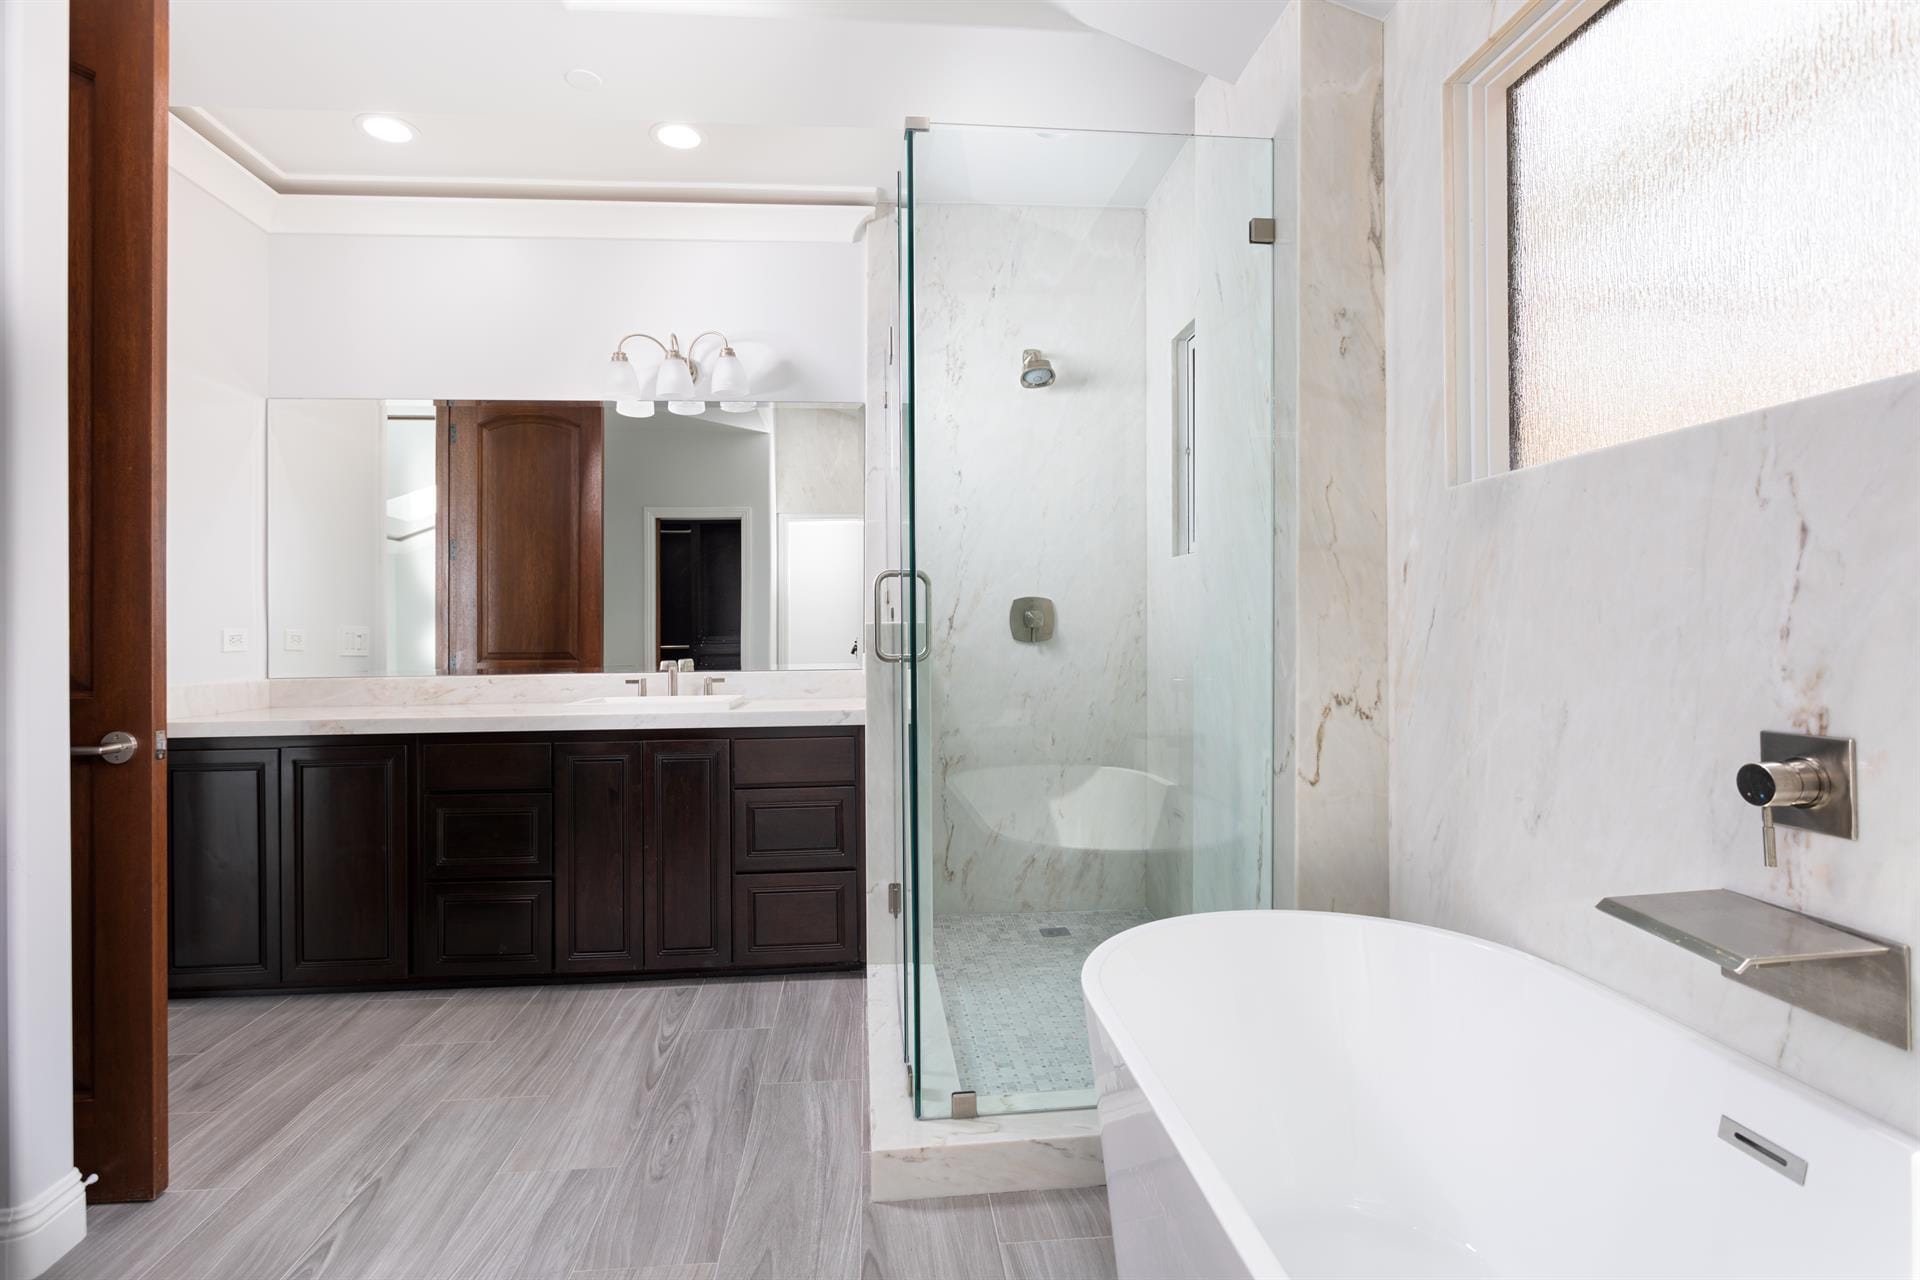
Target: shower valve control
1031 619
1800 781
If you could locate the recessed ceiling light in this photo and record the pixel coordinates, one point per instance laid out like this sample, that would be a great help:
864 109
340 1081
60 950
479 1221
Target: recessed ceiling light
584 80
385 128
681 137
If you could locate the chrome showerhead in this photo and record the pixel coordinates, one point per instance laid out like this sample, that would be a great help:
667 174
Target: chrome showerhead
1036 370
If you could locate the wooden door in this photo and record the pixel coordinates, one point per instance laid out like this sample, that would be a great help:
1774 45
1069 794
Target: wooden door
223 869
343 863
116 374
596 863
520 551
686 853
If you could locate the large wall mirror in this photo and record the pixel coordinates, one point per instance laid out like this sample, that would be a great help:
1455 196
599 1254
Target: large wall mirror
422 537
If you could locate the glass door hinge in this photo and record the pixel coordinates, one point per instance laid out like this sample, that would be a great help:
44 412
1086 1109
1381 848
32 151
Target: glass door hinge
1261 231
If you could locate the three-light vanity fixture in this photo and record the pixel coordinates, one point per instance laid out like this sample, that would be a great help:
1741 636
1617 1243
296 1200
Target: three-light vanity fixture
676 378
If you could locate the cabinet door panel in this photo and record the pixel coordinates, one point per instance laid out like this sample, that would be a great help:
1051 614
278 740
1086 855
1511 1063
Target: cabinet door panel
597 875
795 829
685 853
804 917
223 878
486 930
343 863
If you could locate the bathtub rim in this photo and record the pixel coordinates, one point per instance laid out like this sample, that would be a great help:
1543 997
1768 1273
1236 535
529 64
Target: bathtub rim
1226 1203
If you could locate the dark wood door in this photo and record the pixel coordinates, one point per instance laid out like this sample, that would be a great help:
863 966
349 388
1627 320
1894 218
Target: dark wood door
596 862
116 375
698 593
520 551
343 873
685 852
223 865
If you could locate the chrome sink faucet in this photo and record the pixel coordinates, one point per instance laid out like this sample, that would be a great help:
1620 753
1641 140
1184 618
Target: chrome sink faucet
672 669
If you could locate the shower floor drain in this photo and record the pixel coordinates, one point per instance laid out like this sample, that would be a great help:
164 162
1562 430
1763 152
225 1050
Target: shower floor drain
1055 931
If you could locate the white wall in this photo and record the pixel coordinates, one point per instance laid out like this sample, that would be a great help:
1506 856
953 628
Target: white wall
326 549
216 437
454 317
42 1212
1027 492
671 462
1584 652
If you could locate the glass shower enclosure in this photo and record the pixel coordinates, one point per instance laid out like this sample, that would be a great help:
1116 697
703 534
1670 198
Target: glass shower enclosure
1088 533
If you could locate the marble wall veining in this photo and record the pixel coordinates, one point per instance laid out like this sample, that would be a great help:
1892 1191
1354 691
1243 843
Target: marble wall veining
1021 492
1315 87
1635 617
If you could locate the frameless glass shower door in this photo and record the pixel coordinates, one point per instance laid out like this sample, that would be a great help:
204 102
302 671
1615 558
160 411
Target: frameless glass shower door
1089 478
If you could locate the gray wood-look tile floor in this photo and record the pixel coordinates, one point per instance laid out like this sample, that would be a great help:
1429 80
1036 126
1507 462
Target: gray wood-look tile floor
703 1131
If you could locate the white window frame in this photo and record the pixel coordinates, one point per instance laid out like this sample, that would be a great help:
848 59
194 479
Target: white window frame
1480 427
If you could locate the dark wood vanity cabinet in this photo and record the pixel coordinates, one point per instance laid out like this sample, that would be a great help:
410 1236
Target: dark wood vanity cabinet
363 862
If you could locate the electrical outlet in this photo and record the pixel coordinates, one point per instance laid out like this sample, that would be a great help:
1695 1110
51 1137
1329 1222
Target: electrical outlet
296 640
233 639
355 642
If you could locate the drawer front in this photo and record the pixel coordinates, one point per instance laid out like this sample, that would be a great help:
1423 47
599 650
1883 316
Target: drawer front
498 927
796 917
795 762
491 834
796 829
486 766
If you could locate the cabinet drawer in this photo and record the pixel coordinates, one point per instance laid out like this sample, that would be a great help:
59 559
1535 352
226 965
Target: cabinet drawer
486 766
501 833
498 927
795 829
794 762
796 917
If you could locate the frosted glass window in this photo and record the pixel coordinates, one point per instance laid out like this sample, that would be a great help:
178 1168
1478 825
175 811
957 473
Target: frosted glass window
1714 206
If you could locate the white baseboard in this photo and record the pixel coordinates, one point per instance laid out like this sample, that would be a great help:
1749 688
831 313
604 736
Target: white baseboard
37 1234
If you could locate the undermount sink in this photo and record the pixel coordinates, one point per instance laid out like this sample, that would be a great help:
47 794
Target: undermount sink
668 702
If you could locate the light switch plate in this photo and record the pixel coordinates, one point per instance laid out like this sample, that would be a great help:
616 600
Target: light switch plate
233 639
295 640
355 642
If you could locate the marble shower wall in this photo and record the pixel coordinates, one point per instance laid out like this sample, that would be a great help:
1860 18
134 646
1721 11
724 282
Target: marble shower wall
1022 492
1638 615
1315 87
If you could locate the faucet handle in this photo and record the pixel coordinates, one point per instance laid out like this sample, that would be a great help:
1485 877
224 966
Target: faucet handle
706 685
1800 781
686 664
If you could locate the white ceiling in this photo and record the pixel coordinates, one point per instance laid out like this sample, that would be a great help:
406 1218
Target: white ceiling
799 99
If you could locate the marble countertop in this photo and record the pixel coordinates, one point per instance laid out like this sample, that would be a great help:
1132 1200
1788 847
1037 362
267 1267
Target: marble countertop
292 722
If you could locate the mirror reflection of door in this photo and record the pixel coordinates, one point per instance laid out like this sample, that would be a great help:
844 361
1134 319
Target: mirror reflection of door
700 591
520 537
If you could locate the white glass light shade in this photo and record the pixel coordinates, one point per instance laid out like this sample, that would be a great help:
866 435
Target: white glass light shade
675 381
729 376
739 406
634 408
686 408
623 382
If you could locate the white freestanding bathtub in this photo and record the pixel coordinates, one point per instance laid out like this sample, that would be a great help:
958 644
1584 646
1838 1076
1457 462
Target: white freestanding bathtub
1301 1094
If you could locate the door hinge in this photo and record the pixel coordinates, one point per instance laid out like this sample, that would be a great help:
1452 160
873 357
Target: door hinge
1261 231
160 745
893 899
453 550
453 433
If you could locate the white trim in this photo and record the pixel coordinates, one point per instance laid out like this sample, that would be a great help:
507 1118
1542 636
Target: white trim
781 556
1476 208
650 518
37 1234
285 205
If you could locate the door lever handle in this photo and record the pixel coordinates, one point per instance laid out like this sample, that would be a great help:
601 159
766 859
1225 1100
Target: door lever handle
116 748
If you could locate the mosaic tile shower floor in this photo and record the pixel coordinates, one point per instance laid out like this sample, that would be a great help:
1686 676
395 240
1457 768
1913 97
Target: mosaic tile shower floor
1012 994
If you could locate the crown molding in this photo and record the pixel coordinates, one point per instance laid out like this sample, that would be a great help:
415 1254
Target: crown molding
214 169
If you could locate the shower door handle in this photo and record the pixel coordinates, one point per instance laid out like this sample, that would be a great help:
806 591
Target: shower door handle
879 648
